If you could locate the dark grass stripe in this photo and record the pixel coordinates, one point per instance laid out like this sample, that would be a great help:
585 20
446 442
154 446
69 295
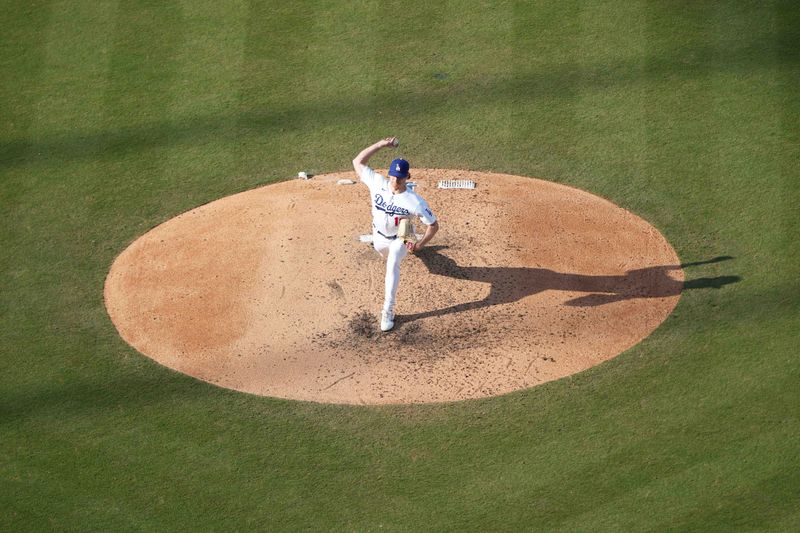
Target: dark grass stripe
22 51
142 132
207 81
544 83
763 503
142 72
787 16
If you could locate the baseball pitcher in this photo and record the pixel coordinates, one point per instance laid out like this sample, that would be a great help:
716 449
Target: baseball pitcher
393 205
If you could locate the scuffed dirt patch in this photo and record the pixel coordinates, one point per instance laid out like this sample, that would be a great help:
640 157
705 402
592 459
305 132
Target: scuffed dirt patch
406 342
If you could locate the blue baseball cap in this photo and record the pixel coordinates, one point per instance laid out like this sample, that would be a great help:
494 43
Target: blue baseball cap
399 168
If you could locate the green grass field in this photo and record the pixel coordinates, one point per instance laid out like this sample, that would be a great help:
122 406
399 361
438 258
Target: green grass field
117 116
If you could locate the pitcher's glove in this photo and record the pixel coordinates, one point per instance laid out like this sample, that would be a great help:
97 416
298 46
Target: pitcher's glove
405 231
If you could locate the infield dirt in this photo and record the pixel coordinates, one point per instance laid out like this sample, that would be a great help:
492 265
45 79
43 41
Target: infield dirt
270 291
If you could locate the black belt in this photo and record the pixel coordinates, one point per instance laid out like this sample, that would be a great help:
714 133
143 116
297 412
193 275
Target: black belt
390 237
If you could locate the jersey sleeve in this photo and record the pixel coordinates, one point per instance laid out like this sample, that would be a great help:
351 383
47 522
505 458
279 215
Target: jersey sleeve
424 213
368 176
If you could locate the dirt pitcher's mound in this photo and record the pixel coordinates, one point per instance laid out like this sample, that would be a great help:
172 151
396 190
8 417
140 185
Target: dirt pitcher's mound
271 292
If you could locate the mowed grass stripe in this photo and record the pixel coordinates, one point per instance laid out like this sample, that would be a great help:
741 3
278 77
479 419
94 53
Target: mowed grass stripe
787 54
75 70
141 132
206 86
748 113
402 86
22 51
53 237
747 164
471 54
611 106
274 41
67 119
543 88
679 124
711 494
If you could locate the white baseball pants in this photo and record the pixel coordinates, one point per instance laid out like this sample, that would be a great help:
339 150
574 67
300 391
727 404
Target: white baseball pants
394 250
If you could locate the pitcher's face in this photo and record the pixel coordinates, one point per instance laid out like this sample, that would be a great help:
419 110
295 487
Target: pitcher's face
398 184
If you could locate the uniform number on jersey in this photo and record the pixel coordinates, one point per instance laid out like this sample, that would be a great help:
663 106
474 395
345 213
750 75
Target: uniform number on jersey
396 221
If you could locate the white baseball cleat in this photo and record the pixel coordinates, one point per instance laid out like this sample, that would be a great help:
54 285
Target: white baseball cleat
387 320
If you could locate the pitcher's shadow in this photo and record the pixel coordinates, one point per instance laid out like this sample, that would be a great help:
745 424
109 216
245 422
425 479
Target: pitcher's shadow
511 284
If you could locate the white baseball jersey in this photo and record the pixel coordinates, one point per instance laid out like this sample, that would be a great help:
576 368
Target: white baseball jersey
389 207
